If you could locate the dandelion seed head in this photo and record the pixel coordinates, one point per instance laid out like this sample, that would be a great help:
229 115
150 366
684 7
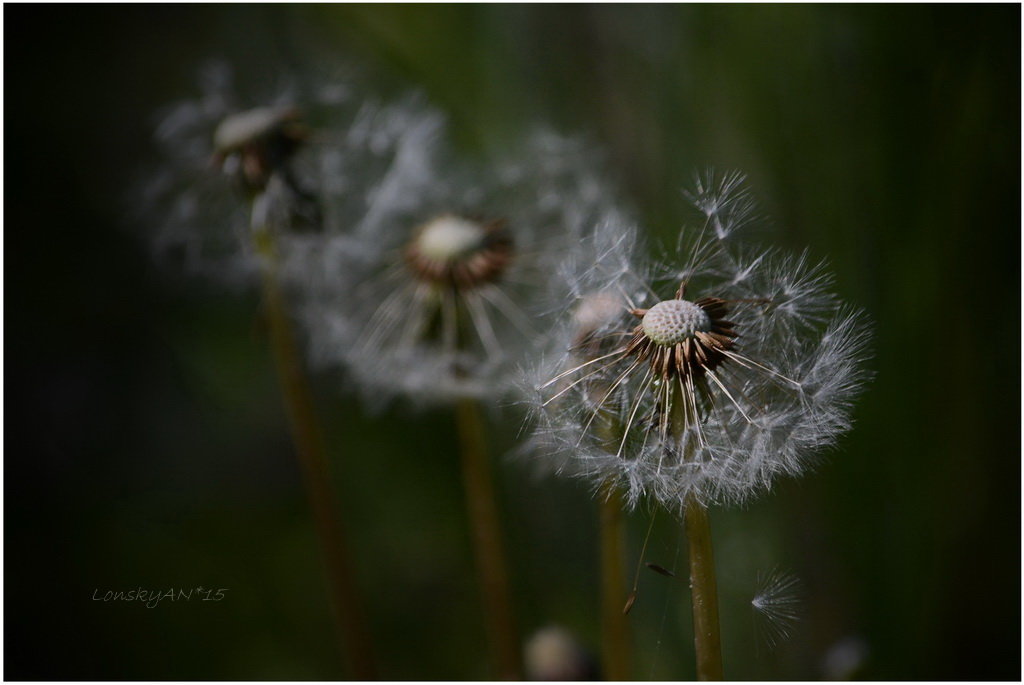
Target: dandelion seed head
220 149
429 283
725 368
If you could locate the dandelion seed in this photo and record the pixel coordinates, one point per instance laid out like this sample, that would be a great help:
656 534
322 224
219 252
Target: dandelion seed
630 601
776 605
660 569
725 201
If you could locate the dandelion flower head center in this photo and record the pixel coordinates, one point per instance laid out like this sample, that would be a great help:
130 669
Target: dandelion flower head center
672 321
252 145
449 238
456 251
683 338
246 127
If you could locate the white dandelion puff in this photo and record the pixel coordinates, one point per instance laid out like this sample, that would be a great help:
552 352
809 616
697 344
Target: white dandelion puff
722 369
777 605
429 288
220 151
237 185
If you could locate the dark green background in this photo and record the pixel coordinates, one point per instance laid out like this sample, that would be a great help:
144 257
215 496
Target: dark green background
146 444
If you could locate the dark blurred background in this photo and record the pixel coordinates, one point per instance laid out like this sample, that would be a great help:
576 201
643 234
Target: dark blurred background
146 443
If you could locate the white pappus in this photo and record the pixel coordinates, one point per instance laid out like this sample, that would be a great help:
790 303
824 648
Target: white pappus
222 150
714 370
428 289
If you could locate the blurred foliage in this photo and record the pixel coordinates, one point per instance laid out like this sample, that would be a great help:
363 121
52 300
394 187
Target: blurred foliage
146 444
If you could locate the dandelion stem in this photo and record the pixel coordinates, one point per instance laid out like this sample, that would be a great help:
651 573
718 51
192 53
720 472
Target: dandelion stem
703 583
482 509
703 592
309 448
615 647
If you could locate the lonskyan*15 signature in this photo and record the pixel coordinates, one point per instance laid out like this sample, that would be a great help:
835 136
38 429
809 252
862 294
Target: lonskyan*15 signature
153 598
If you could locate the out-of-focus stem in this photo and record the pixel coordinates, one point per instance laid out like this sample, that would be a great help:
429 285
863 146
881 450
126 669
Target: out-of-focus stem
615 635
309 448
482 509
615 638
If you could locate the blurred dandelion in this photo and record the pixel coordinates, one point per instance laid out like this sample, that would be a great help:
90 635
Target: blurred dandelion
422 287
554 653
231 192
595 274
230 142
776 604
425 292
724 368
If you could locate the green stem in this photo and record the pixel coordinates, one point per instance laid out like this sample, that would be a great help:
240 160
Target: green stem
703 592
309 447
482 509
703 584
615 639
